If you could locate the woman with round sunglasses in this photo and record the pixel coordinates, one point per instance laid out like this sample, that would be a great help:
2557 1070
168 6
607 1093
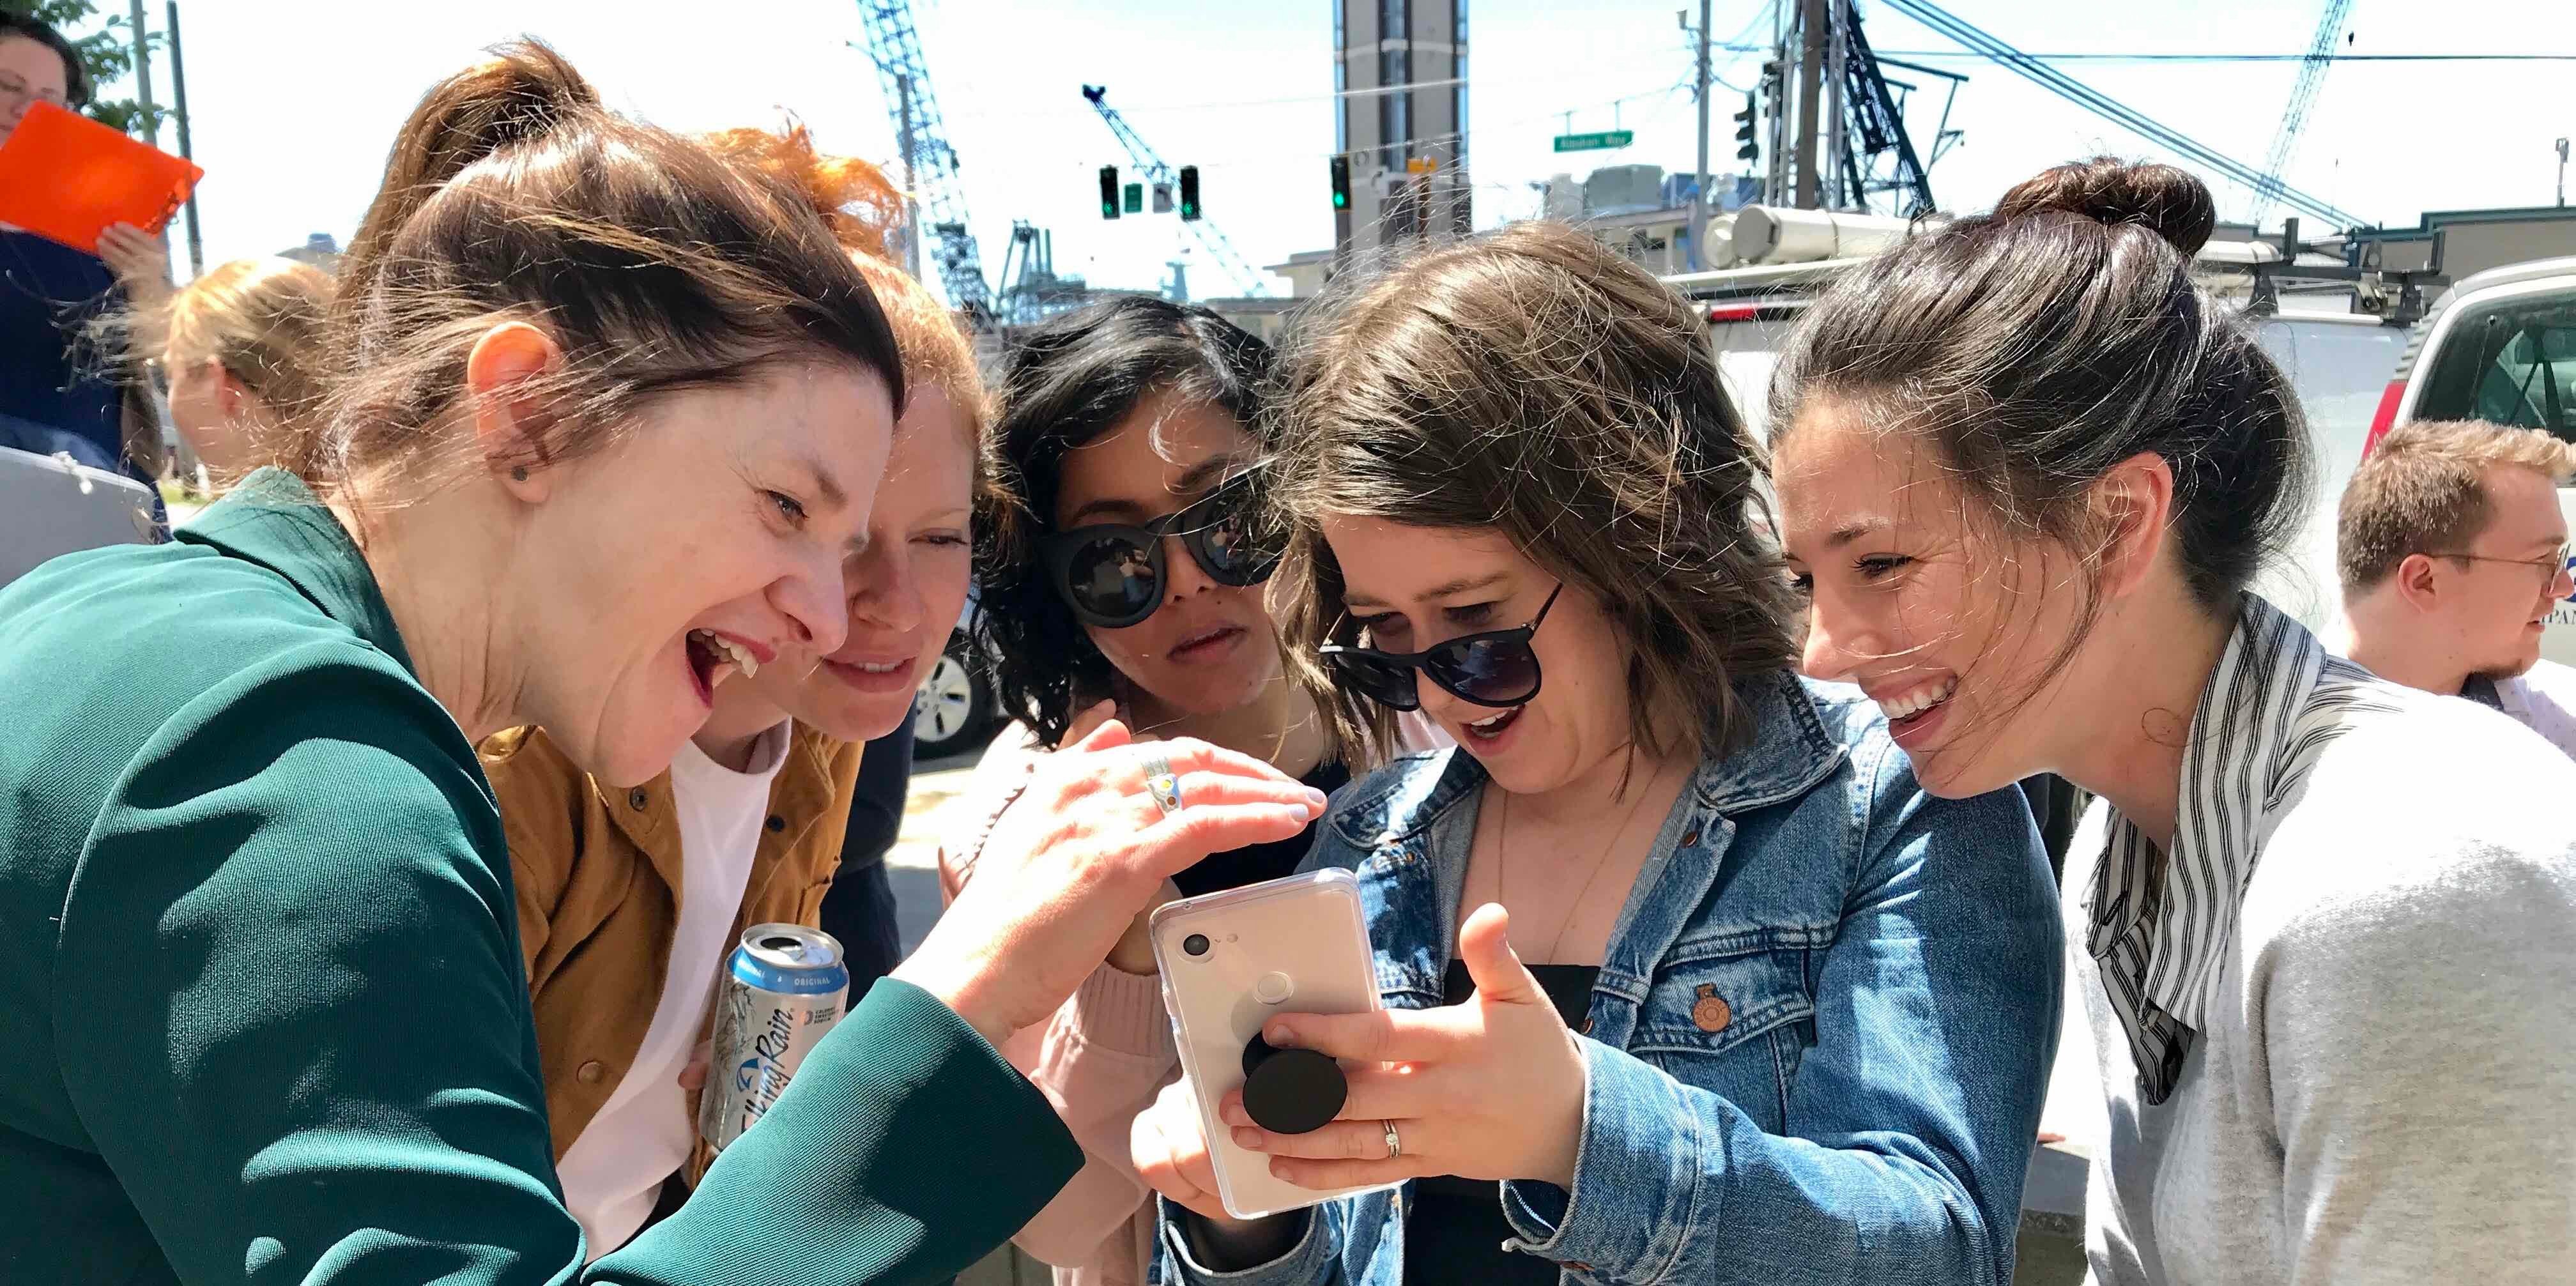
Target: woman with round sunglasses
1685 978
1125 579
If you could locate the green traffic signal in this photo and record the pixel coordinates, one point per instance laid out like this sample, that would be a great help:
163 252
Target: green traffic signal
1341 182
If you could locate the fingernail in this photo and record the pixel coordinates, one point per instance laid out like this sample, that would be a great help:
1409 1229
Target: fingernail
1233 1114
1316 799
1244 1138
1279 1033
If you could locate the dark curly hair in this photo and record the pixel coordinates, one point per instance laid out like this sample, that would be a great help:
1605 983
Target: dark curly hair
1533 382
1070 381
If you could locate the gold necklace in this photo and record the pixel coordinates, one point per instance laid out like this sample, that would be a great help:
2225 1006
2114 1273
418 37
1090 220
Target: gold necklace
1600 861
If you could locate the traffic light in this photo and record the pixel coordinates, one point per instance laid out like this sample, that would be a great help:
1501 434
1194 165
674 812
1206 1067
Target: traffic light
1189 191
1109 191
1341 182
1746 149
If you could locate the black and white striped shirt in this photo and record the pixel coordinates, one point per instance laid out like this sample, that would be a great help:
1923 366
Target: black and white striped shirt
2160 924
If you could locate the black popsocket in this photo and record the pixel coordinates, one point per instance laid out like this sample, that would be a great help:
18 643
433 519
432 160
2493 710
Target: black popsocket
1290 1091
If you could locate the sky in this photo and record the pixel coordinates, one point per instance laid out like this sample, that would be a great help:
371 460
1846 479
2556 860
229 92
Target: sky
295 101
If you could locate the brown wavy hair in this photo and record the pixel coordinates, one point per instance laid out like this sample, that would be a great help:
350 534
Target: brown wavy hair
654 265
1531 382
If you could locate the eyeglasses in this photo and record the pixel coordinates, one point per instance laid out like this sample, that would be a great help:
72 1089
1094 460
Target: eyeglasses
2549 566
1113 575
16 88
1497 668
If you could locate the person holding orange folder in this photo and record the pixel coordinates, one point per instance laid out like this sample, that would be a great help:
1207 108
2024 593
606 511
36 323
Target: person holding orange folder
64 390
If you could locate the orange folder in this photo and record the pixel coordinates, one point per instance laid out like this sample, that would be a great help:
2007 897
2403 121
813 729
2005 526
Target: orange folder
65 176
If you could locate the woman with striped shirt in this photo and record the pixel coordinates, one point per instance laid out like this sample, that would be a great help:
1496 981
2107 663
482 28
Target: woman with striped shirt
2324 926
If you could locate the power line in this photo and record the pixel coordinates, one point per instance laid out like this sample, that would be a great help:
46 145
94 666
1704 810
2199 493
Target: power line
1977 56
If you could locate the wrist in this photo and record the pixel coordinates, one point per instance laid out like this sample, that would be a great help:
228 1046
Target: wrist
957 989
1564 1141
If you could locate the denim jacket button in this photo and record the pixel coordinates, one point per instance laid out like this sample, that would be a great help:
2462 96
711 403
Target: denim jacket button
636 799
1691 840
1710 1012
1583 1028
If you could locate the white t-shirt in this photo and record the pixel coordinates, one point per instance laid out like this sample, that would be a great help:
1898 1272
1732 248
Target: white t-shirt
2543 700
614 1171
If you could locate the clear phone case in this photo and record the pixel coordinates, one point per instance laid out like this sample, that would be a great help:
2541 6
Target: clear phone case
1304 941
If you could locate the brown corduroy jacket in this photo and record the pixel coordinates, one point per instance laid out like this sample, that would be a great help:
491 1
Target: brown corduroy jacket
598 878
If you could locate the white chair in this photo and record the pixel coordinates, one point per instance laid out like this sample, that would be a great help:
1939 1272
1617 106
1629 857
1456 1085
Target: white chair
50 506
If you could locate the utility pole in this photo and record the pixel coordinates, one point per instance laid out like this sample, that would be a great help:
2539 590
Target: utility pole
2562 173
143 72
1811 67
1699 198
911 207
179 92
1837 138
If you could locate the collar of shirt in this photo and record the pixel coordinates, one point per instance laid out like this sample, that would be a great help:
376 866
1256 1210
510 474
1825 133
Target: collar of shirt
2274 702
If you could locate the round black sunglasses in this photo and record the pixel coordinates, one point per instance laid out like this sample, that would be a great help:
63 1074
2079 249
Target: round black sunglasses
1113 575
1497 668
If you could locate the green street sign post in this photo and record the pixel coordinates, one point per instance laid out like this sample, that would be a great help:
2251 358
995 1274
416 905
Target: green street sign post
1595 141
1135 201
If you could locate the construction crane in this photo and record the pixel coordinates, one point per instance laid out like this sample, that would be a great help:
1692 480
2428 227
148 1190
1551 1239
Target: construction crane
1153 170
2312 73
894 44
2067 87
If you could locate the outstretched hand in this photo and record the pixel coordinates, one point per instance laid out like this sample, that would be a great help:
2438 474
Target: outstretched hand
1072 862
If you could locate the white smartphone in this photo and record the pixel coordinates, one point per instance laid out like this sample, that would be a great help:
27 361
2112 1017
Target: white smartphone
1230 960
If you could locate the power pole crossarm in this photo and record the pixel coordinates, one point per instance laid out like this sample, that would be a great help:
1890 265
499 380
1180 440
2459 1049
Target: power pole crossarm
1151 167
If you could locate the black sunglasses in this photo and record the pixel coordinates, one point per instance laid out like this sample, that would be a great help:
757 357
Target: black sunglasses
1496 668
1113 575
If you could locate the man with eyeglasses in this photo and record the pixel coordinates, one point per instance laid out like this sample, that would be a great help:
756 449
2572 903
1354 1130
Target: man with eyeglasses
2453 555
61 392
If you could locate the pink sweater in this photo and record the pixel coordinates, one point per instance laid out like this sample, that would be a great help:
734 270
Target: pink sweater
1100 1060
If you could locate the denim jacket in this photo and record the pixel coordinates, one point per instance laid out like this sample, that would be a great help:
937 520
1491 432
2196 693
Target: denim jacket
1861 1107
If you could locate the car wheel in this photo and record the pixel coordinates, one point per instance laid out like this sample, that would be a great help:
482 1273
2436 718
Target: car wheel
951 706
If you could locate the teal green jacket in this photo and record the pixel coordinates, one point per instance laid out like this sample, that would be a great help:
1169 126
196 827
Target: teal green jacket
262 1011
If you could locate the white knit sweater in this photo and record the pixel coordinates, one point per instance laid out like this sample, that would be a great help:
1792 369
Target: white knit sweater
2382 1087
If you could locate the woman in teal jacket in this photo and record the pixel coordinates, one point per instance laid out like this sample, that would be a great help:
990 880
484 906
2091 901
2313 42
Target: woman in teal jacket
608 418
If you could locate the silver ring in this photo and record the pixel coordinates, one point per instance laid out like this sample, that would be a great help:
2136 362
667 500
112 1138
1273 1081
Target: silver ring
1162 784
1394 1145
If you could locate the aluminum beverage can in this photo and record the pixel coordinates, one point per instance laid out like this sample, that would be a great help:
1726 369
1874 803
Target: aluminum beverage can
783 989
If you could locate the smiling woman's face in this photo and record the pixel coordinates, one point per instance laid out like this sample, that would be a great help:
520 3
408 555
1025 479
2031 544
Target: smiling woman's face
719 524
905 589
1956 634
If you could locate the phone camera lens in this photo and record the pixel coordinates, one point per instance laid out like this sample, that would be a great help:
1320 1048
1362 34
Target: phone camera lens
1196 944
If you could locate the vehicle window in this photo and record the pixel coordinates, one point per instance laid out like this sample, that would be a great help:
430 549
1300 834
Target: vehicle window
2512 362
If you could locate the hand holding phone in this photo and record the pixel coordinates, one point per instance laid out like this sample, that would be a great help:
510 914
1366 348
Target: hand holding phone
1232 960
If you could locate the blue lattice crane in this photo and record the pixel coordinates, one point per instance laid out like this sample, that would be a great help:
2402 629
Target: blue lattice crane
1154 171
2312 73
894 43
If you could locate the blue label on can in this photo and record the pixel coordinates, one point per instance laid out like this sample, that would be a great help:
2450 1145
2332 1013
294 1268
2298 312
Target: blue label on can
753 971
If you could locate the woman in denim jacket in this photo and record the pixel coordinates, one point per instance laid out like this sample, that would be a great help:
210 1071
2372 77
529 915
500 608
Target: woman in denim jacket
1785 1016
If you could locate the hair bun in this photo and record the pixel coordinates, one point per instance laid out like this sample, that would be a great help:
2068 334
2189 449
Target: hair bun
2160 198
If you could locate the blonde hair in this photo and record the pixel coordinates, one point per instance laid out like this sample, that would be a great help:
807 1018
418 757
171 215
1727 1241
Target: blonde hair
2422 490
261 320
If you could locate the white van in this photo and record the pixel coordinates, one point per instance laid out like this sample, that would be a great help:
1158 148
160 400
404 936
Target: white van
2500 346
